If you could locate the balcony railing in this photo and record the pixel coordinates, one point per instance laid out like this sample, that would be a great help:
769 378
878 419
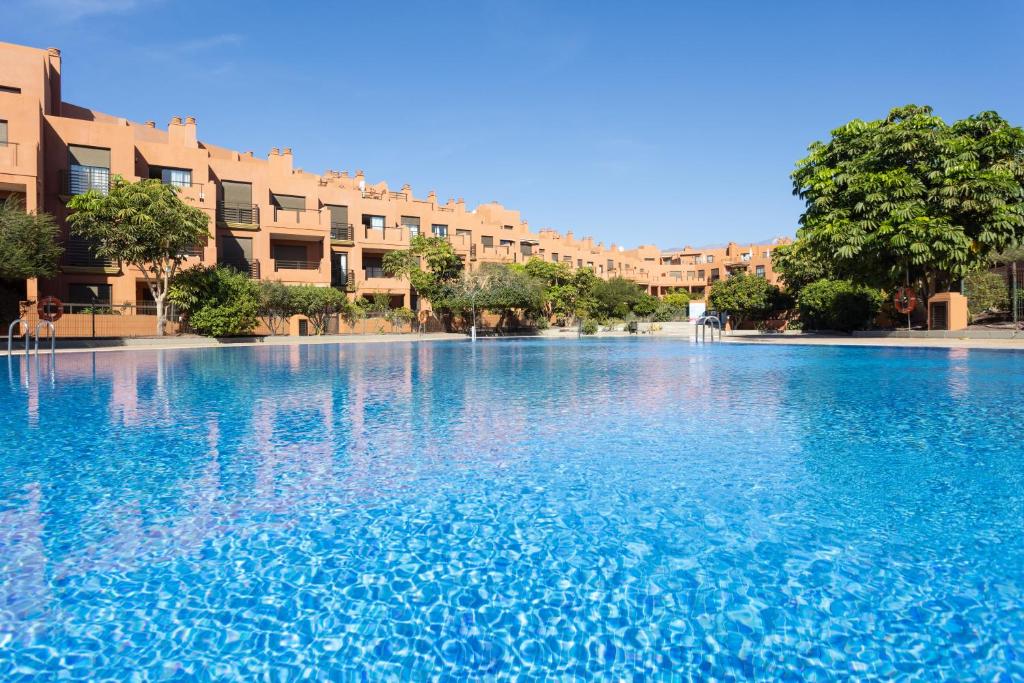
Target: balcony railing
80 180
472 252
8 153
342 232
78 254
250 268
242 214
374 271
291 264
402 196
344 280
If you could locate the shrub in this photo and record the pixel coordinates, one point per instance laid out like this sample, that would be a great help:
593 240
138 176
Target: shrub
589 327
320 303
744 297
645 305
986 291
399 316
218 301
838 305
275 305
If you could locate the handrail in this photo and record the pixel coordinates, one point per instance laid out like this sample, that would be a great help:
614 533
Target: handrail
10 335
53 337
703 323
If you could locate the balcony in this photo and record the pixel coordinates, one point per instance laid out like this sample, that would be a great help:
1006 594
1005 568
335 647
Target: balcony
374 272
342 233
195 251
71 182
79 258
238 216
250 268
344 280
296 217
290 264
8 154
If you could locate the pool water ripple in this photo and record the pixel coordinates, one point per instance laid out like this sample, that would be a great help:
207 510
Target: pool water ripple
515 509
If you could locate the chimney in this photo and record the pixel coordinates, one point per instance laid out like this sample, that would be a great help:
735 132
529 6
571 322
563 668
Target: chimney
150 124
432 197
181 134
53 57
281 163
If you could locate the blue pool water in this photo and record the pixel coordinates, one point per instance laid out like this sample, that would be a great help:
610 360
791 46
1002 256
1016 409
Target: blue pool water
597 509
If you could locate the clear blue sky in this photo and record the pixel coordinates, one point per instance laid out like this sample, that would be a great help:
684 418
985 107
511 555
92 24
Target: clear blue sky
646 122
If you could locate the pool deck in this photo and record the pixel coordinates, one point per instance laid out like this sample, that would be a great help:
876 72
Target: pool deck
741 337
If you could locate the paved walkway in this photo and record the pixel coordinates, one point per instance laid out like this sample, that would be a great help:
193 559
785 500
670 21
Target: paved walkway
906 342
741 337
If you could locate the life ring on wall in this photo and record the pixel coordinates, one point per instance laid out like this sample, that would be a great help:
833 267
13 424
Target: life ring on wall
50 308
905 300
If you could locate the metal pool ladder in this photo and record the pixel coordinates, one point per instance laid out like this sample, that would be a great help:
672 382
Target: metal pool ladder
10 335
703 323
53 337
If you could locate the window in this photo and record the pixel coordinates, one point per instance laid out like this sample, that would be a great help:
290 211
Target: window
710 258
412 224
690 275
460 232
554 257
766 253
289 252
611 265
590 264
700 274
10 89
439 230
373 222
567 259
3 133
79 293
525 249
506 227
339 268
486 241
88 169
579 263
179 177
677 274
506 243
759 271
714 275
287 205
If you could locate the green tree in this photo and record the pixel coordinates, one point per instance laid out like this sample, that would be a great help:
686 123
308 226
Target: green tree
838 305
646 305
29 242
798 265
143 224
318 304
218 301
910 196
276 305
744 297
615 297
443 266
510 290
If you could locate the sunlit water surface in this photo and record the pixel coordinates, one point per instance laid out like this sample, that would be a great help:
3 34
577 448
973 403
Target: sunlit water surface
513 509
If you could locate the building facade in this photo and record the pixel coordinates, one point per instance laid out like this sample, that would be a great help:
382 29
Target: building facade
271 219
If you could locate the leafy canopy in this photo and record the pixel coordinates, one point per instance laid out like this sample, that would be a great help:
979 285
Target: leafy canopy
318 304
443 266
838 305
911 194
144 224
744 297
29 242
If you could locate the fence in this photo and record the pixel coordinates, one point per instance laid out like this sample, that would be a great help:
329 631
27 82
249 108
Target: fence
99 320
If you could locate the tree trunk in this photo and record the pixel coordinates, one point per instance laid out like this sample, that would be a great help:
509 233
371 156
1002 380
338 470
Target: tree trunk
159 315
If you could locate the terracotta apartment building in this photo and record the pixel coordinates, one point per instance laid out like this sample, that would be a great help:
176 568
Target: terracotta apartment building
271 219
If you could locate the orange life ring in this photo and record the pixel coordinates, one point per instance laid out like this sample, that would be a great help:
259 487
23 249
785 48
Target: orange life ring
50 308
905 300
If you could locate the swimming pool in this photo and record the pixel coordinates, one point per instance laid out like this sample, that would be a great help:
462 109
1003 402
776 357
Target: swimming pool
606 508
